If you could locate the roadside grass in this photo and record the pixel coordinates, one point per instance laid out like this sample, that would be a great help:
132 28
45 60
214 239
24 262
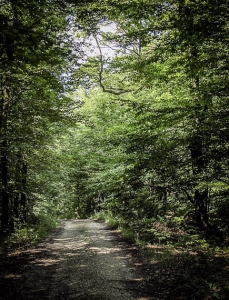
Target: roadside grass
37 228
193 273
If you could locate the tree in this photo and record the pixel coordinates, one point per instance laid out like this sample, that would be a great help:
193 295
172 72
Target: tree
166 45
34 53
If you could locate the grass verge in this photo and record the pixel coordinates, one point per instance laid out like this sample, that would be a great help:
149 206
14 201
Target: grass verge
24 235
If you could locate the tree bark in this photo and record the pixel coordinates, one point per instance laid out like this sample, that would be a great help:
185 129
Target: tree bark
5 192
4 158
23 193
201 197
201 209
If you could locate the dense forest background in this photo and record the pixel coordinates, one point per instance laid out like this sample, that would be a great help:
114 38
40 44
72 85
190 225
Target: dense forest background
116 110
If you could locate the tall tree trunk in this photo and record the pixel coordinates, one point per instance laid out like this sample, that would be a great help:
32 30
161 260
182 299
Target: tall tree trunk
16 196
4 157
4 192
23 188
201 209
201 197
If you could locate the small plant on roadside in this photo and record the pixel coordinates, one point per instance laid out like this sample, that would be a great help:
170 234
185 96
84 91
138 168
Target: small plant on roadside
128 233
112 223
99 216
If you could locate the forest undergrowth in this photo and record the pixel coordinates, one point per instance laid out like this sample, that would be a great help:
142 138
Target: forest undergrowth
26 235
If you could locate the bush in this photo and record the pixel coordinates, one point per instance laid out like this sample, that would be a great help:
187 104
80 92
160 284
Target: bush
37 228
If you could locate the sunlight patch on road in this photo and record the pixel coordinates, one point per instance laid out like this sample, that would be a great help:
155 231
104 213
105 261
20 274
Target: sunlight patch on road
69 244
104 250
11 276
24 251
46 262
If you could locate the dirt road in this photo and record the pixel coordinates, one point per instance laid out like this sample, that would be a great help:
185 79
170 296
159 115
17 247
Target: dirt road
81 260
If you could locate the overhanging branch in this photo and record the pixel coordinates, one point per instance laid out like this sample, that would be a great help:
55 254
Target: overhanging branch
116 92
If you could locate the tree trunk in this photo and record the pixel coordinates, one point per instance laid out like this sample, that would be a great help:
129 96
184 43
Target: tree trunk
200 199
198 165
201 209
4 158
5 192
16 196
16 205
23 193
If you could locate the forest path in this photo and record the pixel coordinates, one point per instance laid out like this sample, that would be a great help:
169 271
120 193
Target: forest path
80 260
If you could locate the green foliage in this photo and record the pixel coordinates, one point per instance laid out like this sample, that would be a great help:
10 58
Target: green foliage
112 223
142 142
200 278
34 54
36 229
99 216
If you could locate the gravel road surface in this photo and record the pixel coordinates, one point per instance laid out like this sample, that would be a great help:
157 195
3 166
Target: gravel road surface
81 260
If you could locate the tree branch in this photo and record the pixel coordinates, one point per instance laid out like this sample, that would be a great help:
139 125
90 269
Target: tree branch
111 91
